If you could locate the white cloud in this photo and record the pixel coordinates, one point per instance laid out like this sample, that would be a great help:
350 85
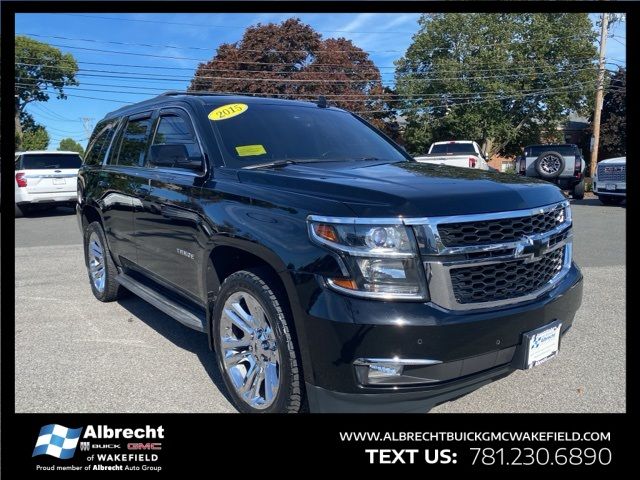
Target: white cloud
360 20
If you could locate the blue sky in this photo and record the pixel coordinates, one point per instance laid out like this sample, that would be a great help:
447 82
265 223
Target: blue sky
385 36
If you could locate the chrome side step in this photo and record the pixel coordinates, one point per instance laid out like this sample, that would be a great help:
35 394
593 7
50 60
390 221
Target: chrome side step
168 306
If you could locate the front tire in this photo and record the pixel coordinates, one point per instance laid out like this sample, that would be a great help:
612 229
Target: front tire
254 346
100 266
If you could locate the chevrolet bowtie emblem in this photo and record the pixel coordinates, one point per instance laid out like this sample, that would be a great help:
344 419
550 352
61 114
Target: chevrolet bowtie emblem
531 249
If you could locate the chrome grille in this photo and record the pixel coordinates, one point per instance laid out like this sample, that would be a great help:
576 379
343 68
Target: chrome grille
501 281
500 230
612 173
492 260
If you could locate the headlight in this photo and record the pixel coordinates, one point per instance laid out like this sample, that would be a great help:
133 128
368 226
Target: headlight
381 259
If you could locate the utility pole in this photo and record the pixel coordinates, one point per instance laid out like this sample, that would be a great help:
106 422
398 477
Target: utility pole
87 124
599 94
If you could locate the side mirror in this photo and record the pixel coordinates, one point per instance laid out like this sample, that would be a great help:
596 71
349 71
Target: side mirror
173 156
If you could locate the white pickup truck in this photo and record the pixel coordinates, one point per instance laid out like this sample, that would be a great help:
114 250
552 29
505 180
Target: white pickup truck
458 153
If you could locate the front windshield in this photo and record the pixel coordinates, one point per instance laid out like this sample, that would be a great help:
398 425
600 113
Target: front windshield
262 133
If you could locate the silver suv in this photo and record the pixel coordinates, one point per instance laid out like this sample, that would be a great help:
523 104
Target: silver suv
561 164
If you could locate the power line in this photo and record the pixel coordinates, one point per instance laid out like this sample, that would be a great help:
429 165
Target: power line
528 64
172 57
382 95
144 76
206 25
156 90
444 99
55 114
473 102
269 50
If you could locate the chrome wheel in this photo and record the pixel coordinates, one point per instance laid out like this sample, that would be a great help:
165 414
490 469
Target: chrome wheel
96 262
249 350
550 164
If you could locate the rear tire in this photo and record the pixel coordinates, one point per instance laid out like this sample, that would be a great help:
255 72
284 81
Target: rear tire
578 190
101 269
261 352
610 200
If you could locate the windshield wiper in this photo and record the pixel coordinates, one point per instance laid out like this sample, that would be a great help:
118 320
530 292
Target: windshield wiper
277 163
284 163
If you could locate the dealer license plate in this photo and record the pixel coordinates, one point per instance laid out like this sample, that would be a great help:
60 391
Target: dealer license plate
59 181
610 186
543 344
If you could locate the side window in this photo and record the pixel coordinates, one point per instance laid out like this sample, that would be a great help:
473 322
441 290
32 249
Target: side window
99 144
175 144
134 143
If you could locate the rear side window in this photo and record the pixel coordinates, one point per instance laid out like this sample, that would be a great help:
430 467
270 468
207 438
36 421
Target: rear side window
55 161
134 143
99 144
564 150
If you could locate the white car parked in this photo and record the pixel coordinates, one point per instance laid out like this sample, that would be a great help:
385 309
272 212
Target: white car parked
457 153
610 180
45 178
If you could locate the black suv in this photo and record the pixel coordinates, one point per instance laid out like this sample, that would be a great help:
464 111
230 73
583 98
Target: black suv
329 270
561 164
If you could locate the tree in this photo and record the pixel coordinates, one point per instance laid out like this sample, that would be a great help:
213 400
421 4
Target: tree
69 144
291 60
496 78
36 139
613 129
40 68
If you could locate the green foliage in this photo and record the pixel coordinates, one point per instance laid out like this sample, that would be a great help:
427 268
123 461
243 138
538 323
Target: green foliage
69 144
588 185
39 69
613 129
40 66
37 139
500 79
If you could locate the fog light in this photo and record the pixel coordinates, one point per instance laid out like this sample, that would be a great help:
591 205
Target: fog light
383 370
389 371
371 371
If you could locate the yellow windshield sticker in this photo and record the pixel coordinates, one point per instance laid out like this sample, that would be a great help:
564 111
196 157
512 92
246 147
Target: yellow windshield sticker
228 111
250 150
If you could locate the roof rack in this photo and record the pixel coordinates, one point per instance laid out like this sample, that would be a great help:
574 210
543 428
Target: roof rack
170 93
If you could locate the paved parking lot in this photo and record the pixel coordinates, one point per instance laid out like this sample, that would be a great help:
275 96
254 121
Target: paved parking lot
75 354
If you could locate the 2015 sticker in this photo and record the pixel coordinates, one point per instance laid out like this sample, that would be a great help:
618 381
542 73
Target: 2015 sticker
250 150
228 111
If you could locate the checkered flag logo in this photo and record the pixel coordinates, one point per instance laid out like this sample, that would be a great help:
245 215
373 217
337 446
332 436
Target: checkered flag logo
57 441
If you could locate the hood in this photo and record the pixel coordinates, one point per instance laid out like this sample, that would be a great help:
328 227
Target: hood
408 189
617 161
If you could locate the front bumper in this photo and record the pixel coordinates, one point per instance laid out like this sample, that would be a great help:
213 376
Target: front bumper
600 188
473 348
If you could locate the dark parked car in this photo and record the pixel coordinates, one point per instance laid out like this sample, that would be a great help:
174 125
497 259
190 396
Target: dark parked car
328 269
562 164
